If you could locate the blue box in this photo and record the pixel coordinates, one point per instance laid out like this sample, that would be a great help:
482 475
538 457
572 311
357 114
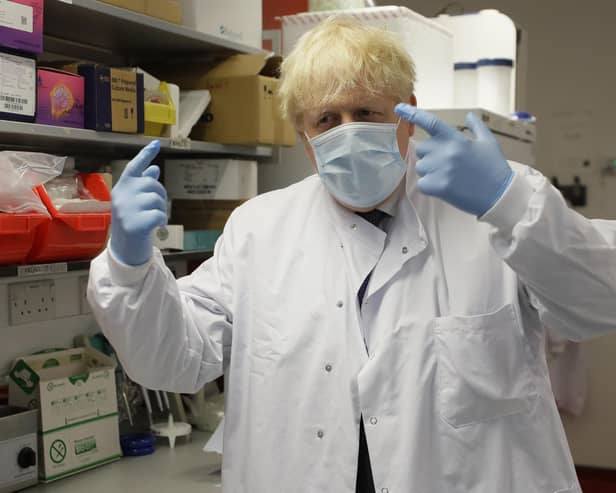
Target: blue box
113 98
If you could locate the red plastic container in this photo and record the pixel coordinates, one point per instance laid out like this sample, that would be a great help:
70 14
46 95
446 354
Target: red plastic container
17 232
72 236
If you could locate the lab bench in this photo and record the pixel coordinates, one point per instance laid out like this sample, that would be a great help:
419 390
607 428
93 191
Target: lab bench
185 469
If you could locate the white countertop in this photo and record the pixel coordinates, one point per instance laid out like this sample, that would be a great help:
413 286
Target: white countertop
185 469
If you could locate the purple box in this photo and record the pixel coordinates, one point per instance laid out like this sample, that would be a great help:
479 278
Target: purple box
59 98
21 25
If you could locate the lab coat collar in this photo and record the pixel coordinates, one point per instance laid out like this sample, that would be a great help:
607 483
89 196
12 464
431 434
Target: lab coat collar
364 244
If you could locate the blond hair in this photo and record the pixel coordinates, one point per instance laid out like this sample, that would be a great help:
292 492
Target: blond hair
340 55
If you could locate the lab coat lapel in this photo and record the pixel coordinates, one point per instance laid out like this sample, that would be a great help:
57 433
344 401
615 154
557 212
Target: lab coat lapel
361 242
406 239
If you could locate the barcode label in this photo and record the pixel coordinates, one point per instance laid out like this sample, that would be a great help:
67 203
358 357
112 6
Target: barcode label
13 107
16 16
12 99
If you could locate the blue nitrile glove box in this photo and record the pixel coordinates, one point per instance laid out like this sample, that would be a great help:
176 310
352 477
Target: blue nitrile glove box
113 98
201 239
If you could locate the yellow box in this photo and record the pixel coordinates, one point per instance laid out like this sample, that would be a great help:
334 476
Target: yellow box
158 115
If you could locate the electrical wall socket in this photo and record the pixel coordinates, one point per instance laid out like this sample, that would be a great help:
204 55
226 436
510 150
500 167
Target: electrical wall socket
84 306
33 301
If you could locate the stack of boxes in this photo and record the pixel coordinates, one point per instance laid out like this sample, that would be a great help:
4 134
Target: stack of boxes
21 38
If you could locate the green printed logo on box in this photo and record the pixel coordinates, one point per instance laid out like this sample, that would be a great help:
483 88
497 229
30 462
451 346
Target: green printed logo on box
85 445
25 377
79 379
57 451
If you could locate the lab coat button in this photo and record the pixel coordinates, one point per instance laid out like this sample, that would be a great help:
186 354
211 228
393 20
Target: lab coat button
328 368
373 420
384 490
320 433
353 226
339 304
405 250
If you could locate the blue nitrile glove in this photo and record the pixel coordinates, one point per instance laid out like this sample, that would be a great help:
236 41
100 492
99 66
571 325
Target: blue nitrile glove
469 174
138 205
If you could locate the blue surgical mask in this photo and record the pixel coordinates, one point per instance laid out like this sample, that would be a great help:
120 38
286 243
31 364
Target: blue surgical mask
359 163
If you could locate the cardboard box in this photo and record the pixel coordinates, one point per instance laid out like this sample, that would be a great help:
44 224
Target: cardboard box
17 88
167 10
21 25
60 98
134 5
202 214
76 394
113 98
239 21
210 179
245 108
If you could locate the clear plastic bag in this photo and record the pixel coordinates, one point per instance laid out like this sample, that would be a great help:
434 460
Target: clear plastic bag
20 172
69 195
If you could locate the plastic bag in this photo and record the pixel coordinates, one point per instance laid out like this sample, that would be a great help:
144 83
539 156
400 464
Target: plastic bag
20 172
69 195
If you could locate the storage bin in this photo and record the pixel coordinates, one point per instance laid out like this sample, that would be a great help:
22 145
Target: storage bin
17 233
494 84
72 236
465 85
157 115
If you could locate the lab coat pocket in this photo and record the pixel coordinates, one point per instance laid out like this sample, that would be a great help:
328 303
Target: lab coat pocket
482 368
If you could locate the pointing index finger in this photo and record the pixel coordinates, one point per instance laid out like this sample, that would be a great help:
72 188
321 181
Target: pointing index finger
428 122
142 160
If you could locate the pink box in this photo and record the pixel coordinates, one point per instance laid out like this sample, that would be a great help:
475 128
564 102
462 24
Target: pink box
59 98
21 25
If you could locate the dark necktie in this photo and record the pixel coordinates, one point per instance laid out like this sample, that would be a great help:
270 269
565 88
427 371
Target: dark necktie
365 481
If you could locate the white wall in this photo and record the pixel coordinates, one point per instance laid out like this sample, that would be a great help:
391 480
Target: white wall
571 90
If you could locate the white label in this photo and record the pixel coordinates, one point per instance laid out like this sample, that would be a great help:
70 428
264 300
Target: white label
16 16
41 269
10 472
17 85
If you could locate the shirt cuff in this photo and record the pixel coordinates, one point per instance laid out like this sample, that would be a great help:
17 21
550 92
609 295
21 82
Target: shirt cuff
511 206
127 275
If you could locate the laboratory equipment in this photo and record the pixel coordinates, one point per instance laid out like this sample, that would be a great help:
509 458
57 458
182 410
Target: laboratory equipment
465 84
18 448
494 76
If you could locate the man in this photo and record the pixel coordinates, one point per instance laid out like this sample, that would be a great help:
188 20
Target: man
393 351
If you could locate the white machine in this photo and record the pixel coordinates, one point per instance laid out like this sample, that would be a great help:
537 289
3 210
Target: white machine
516 137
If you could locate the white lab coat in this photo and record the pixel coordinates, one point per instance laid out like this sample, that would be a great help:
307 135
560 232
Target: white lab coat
452 382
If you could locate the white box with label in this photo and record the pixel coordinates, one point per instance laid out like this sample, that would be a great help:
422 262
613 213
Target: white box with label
235 20
210 179
17 86
76 394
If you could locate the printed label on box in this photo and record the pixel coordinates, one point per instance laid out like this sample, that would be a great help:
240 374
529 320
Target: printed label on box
16 16
123 101
17 85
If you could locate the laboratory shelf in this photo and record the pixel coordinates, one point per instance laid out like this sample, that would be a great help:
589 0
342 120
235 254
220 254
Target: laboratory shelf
140 37
15 135
46 270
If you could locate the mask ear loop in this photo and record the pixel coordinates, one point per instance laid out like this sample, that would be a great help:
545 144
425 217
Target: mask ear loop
408 148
